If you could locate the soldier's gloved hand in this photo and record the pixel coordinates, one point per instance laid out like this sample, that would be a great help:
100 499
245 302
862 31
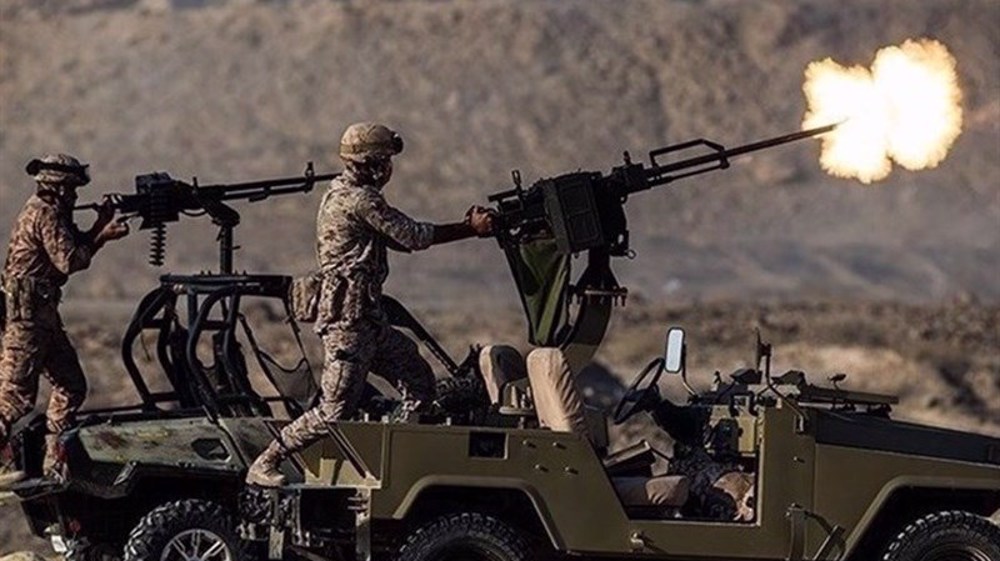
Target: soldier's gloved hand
105 213
112 231
481 220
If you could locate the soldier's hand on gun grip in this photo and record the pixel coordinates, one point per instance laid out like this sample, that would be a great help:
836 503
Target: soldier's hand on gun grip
105 213
112 231
481 220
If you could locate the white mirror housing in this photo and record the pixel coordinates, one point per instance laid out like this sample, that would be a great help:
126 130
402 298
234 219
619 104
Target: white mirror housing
673 355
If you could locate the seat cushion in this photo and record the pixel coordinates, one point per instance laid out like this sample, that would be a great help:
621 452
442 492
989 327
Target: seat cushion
553 389
660 491
500 365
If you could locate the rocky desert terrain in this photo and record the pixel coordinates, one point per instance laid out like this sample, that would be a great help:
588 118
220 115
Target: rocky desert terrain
895 284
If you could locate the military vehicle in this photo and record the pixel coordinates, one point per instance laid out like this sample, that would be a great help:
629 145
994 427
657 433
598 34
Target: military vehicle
764 466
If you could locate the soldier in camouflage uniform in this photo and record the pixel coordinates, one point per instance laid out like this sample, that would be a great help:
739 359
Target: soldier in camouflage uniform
355 226
45 248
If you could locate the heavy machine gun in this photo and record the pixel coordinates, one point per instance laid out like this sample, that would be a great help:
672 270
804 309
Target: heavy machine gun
541 226
160 199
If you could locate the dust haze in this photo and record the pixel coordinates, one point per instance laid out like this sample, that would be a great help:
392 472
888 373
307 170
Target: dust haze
894 284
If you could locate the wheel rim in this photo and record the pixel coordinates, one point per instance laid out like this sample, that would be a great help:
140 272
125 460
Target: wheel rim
196 545
955 552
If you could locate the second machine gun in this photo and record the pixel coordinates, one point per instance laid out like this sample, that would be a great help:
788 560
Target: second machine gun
210 301
160 199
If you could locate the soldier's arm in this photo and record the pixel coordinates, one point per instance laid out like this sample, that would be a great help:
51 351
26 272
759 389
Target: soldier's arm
394 224
67 251
478 222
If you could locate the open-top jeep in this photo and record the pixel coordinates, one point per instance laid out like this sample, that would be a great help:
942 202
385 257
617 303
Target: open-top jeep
510 465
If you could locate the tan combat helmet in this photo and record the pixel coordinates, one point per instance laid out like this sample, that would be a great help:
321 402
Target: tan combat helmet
58 169
364 140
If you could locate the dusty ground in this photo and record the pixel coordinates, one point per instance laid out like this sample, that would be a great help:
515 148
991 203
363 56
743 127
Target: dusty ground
943 361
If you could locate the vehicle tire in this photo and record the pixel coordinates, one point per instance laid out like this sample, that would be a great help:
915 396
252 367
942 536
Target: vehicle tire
186 530
947 536
465 537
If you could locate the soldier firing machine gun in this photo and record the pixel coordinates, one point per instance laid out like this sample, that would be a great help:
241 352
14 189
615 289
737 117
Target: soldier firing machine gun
220 385
541 226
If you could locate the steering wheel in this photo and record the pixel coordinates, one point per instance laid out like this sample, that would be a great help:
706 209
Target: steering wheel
638 397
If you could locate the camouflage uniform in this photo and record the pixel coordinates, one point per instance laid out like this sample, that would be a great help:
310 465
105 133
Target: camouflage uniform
353 228
719 490
45 248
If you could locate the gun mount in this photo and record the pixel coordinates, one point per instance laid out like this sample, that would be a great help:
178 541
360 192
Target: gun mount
160 199
540 226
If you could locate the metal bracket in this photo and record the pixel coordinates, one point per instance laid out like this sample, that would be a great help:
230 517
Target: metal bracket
276 543
637 540
360 503
798 516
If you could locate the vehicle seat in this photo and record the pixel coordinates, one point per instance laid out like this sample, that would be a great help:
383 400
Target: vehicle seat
559 408
557 401
500 365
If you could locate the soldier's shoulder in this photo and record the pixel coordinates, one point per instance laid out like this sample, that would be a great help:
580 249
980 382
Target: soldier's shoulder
350 195
37 207
340 198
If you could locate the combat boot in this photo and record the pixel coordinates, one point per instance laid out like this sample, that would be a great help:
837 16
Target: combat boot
264 470
54 464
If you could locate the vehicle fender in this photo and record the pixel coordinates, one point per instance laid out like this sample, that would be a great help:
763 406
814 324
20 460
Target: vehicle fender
431 482
914 483
110 460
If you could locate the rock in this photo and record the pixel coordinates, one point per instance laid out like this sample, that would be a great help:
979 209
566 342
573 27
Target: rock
22 556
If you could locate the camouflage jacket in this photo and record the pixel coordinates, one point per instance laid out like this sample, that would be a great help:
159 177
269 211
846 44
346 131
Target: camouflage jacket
354 228
45 248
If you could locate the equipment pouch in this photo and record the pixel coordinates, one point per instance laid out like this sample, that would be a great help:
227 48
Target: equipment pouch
304 295
19 299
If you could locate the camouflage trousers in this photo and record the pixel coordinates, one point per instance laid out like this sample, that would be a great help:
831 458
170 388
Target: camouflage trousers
31 350
350 354
719 491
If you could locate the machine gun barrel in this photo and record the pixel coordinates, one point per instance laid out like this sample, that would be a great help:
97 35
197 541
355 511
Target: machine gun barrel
259 190
663 173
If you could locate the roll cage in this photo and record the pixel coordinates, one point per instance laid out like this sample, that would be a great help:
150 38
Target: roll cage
180 314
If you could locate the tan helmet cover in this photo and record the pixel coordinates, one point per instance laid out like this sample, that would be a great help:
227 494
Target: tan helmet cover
58 169
363 140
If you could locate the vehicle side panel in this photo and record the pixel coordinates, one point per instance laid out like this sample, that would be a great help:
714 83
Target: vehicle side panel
853 483
785 479
559 472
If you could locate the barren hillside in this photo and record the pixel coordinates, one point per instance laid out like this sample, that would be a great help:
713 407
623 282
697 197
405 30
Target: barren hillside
236 90
895 284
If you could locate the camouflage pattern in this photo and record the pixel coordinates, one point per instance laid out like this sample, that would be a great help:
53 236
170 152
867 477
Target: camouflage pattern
59 177
366 140
354 226
31 350
351 354
45 248
719 491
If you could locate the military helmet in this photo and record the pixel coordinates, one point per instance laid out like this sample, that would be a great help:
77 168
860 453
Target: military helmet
363 140
58 169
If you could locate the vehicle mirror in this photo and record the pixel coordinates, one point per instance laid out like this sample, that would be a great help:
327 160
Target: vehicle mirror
673 356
